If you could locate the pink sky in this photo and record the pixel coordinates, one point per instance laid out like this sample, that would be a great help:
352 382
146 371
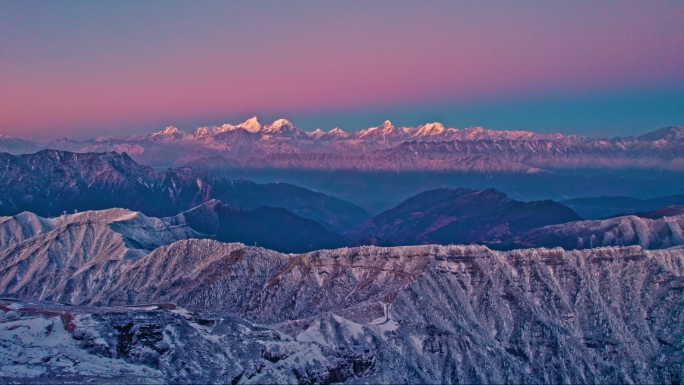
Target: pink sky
84 69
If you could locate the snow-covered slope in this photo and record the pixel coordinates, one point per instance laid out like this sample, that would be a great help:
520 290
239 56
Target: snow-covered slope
55 253
660 233
428 314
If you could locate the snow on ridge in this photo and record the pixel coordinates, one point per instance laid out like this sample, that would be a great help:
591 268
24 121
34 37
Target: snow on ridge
316 134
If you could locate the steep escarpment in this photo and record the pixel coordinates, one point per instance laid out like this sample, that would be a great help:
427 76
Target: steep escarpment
425 314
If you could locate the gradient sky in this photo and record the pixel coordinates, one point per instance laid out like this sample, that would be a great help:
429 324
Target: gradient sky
83 69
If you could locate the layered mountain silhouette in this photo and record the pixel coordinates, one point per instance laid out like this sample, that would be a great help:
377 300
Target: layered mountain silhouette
363 166
50 182
274 228
459 216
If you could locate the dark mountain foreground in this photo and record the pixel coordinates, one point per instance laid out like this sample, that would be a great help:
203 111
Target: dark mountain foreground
50 182
209 312
460 216
377 191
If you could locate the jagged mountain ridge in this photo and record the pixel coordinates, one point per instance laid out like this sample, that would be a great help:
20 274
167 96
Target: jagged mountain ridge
661 149
51 181
31 246
425 314
506 151
460 216
377 161
657 229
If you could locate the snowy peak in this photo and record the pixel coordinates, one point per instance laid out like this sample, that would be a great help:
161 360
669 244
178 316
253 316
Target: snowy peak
430 129
337 131
334 135
252 125
170 132
377 133
386 127
279 126
201 132
316 134
282 127
665 133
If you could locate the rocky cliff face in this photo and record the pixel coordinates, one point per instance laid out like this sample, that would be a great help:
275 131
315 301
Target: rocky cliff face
425 314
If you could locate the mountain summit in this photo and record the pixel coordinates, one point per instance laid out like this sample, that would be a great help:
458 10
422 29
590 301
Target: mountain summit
252 125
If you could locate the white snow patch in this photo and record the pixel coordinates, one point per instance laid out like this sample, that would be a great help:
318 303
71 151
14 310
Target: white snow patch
353 327
313 334
417 341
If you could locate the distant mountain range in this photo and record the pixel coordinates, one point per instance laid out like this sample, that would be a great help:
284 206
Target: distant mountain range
385 147
51 181
379 167
465 216
284 217
459 216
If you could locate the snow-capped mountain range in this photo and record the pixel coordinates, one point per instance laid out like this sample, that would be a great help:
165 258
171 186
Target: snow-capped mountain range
425 147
